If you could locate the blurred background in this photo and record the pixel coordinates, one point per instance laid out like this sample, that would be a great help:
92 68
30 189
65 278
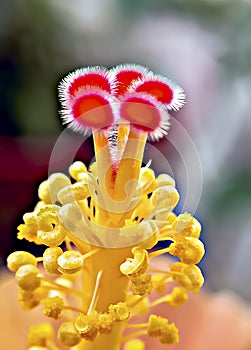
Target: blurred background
205 45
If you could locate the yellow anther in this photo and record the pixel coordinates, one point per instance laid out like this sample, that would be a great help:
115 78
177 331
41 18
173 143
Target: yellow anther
156 325
38 348
93 169
165 180
164 199
51 232
29 299
40 335
54 237
190 250
56 182
70 262
135 344
29 233
87 326
44 192
138 264
147 180
69 279
70 214
189 276
170 335
68 335
187 225
30 218
195 276
119 311
105 323
75 192
159 327
27 277
20 258
142 210
178 297
53 307
77 170
50 259
148 231
142 284
39 205
171 218
28 230
47 217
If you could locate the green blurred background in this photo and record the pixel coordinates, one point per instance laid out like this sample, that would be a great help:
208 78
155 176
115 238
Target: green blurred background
204 45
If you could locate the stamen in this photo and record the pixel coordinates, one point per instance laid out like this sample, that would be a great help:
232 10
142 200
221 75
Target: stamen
165 238
158 252
60 287
139 325
137 301
117 203
134 344
159 301
39 259
52 346
133 335
72 308
90 253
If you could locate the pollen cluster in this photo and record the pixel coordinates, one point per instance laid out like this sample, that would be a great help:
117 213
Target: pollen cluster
96 273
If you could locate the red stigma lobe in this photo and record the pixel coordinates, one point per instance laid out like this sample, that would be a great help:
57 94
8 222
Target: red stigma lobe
90 79
93 111
125 79
161 91
141 113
